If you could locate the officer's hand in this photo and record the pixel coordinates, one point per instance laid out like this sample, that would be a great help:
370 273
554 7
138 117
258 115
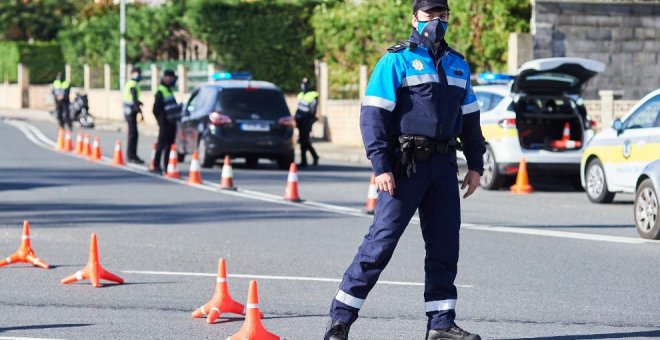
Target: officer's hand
472 182
385 183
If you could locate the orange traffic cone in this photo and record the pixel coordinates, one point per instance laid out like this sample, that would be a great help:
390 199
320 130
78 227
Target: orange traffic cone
79 143
173 164
291 193
566 142
93 271
252 328
372 196
68 143
96 150
227 177
86 151
522 181
221 302
194 175
60 140
118 158
152 163
24 252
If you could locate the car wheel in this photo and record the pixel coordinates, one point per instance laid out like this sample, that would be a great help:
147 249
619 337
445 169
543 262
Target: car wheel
491 179
251 162
597 183
647 210
284 161
205 160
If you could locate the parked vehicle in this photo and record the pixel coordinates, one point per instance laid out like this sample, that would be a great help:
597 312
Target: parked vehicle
240 118
615 157
79 111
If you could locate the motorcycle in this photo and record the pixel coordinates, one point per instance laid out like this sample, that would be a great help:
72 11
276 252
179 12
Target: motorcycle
79 111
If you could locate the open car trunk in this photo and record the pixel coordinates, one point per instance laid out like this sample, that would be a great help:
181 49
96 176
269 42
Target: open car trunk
552 123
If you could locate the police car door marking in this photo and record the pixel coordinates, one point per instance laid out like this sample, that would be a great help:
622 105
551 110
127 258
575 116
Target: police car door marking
420 79
626 149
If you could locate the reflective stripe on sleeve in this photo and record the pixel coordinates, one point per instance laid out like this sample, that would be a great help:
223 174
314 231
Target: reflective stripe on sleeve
469 108
349 300
453 81
440 305
379 102
420 79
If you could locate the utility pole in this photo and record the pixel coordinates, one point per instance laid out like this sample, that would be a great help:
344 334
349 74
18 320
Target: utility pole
122 44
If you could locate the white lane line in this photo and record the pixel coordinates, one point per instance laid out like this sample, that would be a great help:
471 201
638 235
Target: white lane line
18 338
270 277
36 136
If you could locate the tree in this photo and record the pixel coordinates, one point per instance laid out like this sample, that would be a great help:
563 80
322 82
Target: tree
35 20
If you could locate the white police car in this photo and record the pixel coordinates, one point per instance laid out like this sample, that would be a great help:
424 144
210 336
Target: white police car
614 159
538 115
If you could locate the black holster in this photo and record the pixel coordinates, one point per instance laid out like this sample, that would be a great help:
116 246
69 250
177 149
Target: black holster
406 150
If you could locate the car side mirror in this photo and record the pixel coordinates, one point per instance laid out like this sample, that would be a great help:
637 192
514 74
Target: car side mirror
617 125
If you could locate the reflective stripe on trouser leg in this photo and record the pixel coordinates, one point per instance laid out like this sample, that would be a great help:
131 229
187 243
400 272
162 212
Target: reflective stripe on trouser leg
440 219
390 220
349 300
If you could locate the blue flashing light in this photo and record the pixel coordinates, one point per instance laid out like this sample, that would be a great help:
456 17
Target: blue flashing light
494 78
232 76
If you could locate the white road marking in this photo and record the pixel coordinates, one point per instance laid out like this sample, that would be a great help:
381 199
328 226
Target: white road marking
37 137
270 277
18 338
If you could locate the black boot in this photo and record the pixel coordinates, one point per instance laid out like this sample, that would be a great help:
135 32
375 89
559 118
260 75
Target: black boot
452 333
337 331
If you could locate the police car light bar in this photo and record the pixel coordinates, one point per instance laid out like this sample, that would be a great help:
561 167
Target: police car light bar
232 76
494 78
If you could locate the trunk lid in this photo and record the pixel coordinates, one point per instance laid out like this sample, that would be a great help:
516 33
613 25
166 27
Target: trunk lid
555 75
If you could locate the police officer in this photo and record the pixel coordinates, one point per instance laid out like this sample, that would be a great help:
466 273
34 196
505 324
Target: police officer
61 90
418 102
305 118
167 112
132 107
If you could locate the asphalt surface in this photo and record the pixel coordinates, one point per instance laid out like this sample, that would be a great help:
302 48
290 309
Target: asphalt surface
550 265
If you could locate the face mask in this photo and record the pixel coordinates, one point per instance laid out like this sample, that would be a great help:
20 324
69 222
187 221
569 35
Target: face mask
421 25
137 77
434 30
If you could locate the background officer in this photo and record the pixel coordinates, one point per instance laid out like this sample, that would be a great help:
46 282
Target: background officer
61 90
132 107
411 116
305 118
167 112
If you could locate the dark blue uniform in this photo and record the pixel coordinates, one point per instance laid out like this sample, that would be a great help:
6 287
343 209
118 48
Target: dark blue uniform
415 91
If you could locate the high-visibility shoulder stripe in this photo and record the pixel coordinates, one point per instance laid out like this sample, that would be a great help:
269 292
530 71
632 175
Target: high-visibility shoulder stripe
440 305
379 102
453 81
470 108
420 79
349 300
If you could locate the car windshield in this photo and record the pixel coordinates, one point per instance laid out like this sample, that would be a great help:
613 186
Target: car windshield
269 104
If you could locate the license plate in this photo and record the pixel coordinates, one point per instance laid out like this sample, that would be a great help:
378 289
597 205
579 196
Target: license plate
255 127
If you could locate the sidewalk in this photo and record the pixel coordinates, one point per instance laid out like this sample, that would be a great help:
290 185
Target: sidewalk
326 150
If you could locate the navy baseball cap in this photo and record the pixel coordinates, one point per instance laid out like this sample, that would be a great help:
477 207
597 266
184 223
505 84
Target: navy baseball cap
425 5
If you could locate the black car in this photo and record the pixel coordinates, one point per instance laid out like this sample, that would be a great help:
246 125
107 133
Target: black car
240 118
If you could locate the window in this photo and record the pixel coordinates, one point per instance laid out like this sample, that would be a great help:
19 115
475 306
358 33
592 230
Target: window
484 99
496 99
242 103
190 107
647 116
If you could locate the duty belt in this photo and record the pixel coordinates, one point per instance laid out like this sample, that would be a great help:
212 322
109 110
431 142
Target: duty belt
410 149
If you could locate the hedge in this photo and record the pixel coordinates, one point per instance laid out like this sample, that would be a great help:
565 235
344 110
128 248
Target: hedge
43 59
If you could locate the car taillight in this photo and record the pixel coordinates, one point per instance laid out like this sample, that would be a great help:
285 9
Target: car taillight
219 119
287 122
507 123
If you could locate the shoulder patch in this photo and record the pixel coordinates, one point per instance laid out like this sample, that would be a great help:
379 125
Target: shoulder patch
402 46
451 50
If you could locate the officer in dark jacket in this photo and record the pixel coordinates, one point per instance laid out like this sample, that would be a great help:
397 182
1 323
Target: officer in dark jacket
133 107
418 102
305 118
167 112
61 90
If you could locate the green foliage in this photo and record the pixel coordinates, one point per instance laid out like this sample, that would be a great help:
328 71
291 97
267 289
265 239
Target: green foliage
349 34
34 20
43 59
272 39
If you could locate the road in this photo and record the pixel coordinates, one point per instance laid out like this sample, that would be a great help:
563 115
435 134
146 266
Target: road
549 265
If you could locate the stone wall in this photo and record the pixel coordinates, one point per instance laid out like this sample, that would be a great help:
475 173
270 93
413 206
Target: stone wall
623 34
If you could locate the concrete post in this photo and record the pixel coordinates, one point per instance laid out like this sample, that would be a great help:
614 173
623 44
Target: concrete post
155 78
107 74
521 50
324 94
24 85
87 77
364 74
210 69
607 106
67 72
182 73
129 67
